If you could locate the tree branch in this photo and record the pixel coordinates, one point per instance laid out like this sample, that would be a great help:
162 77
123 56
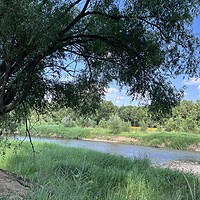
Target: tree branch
78 18
73 4
88 36
153 24
7 73
106 15
126 17
29 69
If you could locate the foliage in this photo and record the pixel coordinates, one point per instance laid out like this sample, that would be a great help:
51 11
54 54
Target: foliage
190 125
11 121
136 43
184 117
85 122
102 123
67 121
117 125
143 125
170 125
105 110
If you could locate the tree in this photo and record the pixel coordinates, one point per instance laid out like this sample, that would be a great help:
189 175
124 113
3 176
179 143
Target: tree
197 111
71 50
128 114
117 125
105 110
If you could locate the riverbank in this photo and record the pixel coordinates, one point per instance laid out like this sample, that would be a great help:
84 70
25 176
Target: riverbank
84 174
184 166
173 140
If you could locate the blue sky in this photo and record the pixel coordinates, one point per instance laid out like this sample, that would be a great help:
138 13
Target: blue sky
192 92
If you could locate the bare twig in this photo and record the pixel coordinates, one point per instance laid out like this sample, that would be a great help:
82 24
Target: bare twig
28 131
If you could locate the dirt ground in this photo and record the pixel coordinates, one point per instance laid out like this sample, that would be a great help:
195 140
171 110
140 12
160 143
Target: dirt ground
113 139
13 186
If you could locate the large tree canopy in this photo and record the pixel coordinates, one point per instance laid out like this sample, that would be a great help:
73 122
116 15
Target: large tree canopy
73 49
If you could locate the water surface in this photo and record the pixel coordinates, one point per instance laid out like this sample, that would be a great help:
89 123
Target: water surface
154 154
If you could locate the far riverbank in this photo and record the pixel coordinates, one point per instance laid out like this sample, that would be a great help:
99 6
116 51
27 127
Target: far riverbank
171 140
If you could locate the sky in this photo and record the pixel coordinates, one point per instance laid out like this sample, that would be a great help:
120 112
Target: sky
192 92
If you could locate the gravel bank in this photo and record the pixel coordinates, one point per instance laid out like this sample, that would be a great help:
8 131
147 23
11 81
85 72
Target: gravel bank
186 166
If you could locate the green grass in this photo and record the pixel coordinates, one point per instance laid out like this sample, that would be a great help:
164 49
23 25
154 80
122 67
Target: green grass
58 130
73 173
175 140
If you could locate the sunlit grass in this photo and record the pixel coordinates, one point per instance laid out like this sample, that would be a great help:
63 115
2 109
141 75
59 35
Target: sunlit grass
176 140
58 130
75 173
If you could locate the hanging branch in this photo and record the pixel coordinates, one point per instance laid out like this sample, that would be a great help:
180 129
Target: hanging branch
29 135
28 131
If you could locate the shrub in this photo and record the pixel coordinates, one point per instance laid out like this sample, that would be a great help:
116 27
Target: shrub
170 125
125 127
102 123
143 125
117 125
89 122
85 122
190 125
67 121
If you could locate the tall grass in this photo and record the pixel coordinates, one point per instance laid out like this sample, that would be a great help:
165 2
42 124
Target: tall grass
175 140
74 173
58 130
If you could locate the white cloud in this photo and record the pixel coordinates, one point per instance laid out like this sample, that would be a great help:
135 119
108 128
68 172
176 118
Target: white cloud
192 81
198 88
111 90
120 97
115 95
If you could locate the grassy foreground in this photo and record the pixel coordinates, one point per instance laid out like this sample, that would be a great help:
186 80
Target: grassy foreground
175 140
72 173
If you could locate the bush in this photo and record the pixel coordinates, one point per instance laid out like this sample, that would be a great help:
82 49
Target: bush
125 127
102 123
85 122
143 125
170 125
67 121
89 123
117 125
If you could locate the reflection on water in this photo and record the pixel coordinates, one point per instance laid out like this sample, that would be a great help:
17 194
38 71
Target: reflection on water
160 155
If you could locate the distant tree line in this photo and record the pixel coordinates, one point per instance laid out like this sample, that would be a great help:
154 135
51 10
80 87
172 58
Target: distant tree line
184 117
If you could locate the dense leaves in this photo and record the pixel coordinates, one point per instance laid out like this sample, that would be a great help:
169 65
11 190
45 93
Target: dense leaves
71 50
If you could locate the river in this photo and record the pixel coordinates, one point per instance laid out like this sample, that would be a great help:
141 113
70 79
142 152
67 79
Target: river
159 155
